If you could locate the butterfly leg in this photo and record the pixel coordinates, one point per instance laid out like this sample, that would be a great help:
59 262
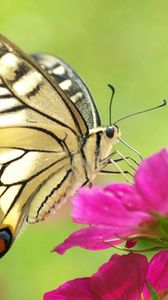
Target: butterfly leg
116 172
126 159
121 158
124 173
114 162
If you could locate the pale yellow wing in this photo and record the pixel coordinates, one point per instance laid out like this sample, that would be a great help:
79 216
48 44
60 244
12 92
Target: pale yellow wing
40 130
39 97
35 163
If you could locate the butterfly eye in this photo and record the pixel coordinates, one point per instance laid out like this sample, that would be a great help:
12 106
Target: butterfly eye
110 132
5 241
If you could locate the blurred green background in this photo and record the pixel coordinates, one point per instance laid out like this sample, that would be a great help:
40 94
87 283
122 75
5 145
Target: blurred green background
124 43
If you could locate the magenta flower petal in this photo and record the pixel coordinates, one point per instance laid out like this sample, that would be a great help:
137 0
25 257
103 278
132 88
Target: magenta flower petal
77 289
123 211
151 182
158 274
110 218
109 206
92 238
122 278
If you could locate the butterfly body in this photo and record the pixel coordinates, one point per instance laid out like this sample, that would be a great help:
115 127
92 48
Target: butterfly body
51 139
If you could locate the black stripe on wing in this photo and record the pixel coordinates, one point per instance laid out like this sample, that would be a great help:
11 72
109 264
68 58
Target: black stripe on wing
56 188
9 103
73 87
50 98
21 184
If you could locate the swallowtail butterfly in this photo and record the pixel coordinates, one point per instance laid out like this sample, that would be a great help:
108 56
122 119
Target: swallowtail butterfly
51 139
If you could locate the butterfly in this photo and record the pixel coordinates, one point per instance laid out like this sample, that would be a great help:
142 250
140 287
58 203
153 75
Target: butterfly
51 138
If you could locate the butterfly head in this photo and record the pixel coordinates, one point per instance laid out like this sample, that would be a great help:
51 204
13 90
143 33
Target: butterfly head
112 132
103 138
110 136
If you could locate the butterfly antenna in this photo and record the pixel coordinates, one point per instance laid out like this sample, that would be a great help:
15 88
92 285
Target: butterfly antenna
141 112
111 101
130 147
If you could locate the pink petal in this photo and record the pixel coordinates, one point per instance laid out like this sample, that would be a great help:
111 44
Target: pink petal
127 195
111 206
119 210
158 273
110 211
122 278
77 289
151 182
91 238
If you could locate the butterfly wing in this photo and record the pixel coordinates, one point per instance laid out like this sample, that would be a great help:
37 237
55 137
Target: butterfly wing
32 152
35 172
35 89
72 86
39 129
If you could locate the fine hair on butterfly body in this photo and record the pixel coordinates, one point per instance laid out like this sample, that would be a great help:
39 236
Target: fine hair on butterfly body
51 139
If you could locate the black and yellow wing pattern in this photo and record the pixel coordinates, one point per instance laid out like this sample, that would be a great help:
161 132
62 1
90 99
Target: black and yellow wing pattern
72 85
51 139
40 129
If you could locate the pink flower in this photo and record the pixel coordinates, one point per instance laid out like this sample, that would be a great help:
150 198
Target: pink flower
122 211
121 278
